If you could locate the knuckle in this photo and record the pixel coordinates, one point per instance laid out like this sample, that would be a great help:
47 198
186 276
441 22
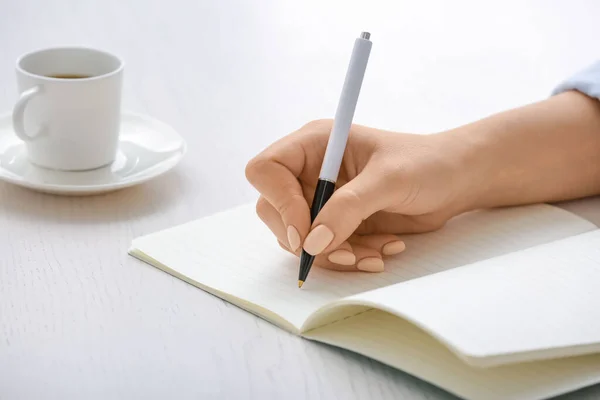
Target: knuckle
393 169
262 207
391 165
351 202
318 124
289 203
255 168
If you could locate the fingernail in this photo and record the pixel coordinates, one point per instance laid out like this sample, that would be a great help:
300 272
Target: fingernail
293 238
342 257
395 247
317 240
370 264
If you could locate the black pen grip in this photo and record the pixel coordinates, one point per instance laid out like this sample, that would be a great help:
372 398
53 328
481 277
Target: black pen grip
323 192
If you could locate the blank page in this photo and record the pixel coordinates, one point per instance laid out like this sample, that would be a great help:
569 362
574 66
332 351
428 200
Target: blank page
398 343
539 303
233 255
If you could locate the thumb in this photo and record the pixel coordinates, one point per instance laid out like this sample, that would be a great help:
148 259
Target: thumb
344 212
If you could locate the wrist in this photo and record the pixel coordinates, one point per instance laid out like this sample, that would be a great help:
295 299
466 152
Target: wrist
472 165
543 152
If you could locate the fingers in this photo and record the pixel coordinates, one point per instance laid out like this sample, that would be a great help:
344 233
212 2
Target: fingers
387 245
366 253
342 255
275 172
370 249
359 253
344 212
368 259
322 261
272 173
269 215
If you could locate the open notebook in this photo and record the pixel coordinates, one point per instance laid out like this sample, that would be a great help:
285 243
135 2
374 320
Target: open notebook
499 304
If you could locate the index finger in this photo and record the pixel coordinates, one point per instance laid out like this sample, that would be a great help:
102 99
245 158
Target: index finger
274 174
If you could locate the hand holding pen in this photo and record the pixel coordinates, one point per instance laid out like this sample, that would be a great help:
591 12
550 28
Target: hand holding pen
352 227
393 183
336 145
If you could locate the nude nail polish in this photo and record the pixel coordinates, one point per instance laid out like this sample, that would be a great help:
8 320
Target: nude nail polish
342 257
293 238
394 247
317 240
370 264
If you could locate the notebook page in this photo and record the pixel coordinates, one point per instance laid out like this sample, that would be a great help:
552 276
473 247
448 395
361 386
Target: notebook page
536 304
233 252
396 342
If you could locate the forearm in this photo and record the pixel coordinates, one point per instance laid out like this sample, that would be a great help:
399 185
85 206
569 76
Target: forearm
543 152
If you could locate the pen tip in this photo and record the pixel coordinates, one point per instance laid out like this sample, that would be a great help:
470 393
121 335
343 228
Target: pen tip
300 283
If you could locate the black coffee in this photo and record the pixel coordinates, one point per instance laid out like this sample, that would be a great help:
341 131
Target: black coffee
69 76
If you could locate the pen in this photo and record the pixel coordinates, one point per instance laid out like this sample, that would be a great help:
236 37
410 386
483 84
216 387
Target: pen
338 138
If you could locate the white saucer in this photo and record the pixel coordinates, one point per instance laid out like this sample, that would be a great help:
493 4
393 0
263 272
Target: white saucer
148 148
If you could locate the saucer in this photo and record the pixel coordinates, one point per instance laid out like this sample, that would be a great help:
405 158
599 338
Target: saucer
147 148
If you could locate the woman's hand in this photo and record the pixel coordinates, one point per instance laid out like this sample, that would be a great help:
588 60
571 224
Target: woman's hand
393 183
389 183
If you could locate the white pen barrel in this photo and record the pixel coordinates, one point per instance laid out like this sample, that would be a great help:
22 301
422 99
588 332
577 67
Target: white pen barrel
345 111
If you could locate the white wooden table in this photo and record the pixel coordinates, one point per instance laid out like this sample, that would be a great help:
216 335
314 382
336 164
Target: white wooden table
81 319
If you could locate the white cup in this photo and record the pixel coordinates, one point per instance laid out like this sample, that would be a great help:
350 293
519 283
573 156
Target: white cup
69 124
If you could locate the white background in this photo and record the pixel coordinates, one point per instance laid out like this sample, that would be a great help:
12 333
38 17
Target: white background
79 318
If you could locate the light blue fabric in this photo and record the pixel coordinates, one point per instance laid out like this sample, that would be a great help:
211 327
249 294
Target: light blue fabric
586 81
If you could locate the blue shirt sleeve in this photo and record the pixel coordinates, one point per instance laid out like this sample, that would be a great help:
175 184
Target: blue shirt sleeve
586 81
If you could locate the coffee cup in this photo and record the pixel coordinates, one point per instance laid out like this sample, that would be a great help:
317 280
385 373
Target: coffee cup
69 109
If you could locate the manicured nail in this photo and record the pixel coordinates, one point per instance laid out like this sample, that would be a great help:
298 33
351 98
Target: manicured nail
394 247
370 264
342 257
317 240
293 238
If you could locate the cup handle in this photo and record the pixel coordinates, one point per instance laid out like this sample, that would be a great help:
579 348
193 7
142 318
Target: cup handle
19 111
